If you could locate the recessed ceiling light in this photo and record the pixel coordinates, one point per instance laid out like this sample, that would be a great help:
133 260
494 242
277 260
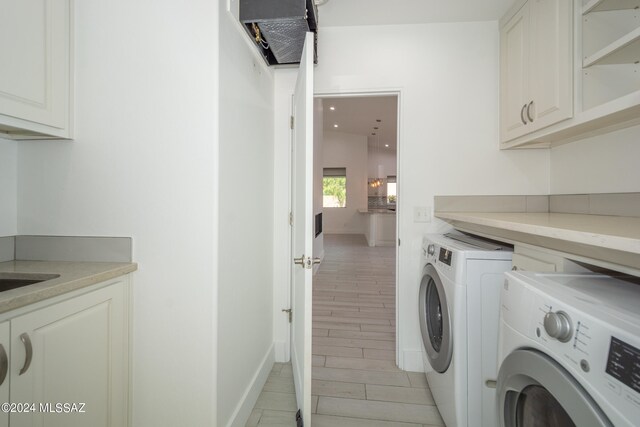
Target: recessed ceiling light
335 125
332 108
386 145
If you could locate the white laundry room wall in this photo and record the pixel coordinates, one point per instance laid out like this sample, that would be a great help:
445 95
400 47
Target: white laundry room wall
8 187
602 164
144 164
447 75
245 334
345 150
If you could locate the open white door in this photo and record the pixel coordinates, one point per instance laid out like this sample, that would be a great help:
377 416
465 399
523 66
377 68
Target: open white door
302 232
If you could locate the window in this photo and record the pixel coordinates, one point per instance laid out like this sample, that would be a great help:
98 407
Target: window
334 187
392 192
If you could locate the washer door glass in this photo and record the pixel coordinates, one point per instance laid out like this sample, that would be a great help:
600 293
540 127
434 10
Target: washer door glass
435 324
536 407
533 390
434 314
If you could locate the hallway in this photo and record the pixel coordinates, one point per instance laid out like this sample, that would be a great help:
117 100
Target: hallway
355 379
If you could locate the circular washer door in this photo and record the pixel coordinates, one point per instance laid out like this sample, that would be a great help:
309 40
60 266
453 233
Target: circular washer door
435 323
533 390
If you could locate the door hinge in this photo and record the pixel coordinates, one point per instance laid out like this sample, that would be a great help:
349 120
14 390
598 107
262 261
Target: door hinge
291 219
289 312
292 122
398 242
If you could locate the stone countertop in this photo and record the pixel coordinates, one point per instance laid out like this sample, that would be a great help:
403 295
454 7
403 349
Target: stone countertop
611 232
377 211
73 276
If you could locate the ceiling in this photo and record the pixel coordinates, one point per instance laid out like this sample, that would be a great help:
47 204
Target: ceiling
336 13
359 115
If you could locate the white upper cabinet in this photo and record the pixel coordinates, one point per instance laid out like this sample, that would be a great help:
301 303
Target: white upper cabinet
36 69
559 85
536 67
514 74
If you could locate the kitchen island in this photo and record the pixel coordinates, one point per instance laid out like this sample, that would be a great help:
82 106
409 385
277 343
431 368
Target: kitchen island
381 226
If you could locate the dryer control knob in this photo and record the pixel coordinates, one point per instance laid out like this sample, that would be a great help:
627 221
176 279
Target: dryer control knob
431 249
558 326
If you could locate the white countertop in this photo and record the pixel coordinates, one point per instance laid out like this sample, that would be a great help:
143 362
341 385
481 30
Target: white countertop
73 275
377 211
611 232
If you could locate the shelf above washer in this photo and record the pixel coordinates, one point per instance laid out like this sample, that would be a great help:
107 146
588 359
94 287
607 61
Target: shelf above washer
625 50
604 5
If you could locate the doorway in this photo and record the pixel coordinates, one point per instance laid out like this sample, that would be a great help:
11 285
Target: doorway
356 170
357 185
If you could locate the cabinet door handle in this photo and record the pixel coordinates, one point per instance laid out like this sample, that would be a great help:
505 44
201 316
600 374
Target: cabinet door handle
529 112
524 121
24 337
4 364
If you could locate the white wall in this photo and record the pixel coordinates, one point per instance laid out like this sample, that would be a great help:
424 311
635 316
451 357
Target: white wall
385 157
447 75
144 165
8 187
602 164
349 151
245 335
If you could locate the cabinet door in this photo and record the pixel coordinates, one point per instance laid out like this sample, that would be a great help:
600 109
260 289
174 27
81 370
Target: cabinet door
77 351
551 62
34 59
5 340
514 75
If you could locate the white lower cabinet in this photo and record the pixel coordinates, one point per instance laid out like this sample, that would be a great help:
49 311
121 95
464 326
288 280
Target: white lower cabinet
69 360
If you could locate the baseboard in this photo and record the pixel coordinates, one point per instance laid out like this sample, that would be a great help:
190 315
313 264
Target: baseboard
281 353
250 396
412 361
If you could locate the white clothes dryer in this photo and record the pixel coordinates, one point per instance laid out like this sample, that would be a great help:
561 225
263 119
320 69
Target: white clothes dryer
569 351
458 306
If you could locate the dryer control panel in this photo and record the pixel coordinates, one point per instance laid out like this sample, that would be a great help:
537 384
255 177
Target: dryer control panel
445 256
623 363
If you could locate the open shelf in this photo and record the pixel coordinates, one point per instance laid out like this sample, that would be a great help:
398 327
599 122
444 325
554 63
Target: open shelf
604 5
625 50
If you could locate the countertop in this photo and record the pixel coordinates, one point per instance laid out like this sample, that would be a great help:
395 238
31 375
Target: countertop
377 211
73 276
611 232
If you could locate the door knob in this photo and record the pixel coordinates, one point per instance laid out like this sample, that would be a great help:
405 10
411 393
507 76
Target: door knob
304 261
317 260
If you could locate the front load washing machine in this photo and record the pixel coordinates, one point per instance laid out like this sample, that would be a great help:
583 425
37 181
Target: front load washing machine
569 351
458 307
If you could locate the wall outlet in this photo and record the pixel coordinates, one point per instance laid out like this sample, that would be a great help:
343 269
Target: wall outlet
422 214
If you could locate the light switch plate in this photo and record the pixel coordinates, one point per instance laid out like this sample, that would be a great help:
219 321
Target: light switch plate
422 214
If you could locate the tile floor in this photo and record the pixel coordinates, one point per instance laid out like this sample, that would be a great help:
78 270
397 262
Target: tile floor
355 380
